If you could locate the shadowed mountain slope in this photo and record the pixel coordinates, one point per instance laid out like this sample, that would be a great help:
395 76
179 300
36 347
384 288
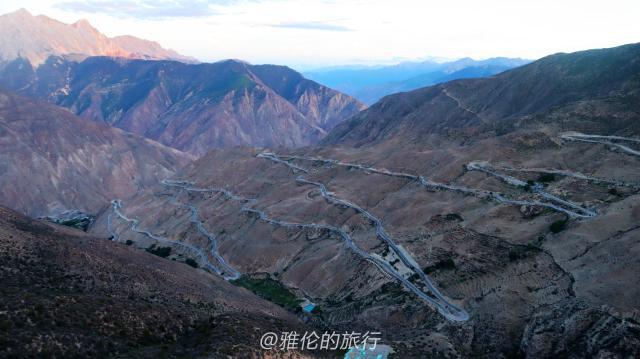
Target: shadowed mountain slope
68 294
190 107
51 160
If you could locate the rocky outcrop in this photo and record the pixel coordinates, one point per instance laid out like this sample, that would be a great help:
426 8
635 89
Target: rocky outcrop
573 330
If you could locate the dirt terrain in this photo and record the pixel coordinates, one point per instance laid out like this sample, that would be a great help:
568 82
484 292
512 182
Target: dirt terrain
454 227
68 294
502 263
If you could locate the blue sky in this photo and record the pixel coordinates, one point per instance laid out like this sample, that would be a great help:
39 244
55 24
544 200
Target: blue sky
310 33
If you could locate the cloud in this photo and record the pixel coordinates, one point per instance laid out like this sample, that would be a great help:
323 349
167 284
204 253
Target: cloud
144 9
313 25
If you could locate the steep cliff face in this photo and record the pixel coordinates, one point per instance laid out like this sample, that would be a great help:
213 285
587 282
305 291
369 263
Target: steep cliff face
321 105
52 160
35 38
190 107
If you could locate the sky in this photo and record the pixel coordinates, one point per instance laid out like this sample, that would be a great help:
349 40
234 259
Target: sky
316 33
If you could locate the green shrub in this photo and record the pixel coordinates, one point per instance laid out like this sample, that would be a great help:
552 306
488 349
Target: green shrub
529 186
6 325
546 178
191 262
445 264
270 290
163 252
514 255
558 226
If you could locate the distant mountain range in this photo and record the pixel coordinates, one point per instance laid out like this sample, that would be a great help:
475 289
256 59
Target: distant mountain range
369 84
138 86
35 38
496 103
192 107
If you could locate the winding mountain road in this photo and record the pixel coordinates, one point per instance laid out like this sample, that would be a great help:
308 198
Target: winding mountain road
446 92
560 204
605 140
424 288
227 271
573 210
429 293
229 274
567 173
436 299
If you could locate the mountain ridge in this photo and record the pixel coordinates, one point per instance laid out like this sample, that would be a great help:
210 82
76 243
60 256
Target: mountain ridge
192 107
370 84
495 103
53 161
35 38
85 296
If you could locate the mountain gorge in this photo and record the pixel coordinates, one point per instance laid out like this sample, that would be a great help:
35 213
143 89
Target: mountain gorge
493 214
189 107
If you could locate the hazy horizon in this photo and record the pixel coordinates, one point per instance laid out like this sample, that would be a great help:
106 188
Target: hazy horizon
315 34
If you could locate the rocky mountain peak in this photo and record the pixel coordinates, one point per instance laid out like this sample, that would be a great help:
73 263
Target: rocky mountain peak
35 38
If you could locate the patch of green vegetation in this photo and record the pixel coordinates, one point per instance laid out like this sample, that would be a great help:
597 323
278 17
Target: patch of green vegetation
558 226
77 220
386 251
270 290
546 178
78 223
515 254
453 217
613 191
6 325
241 83
128 242
521 252
530 184
445 264
163 252
191 262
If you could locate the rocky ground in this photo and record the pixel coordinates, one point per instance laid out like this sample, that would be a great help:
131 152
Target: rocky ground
515 268
68 294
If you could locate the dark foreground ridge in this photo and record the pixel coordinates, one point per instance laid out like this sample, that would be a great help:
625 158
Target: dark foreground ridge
68 294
